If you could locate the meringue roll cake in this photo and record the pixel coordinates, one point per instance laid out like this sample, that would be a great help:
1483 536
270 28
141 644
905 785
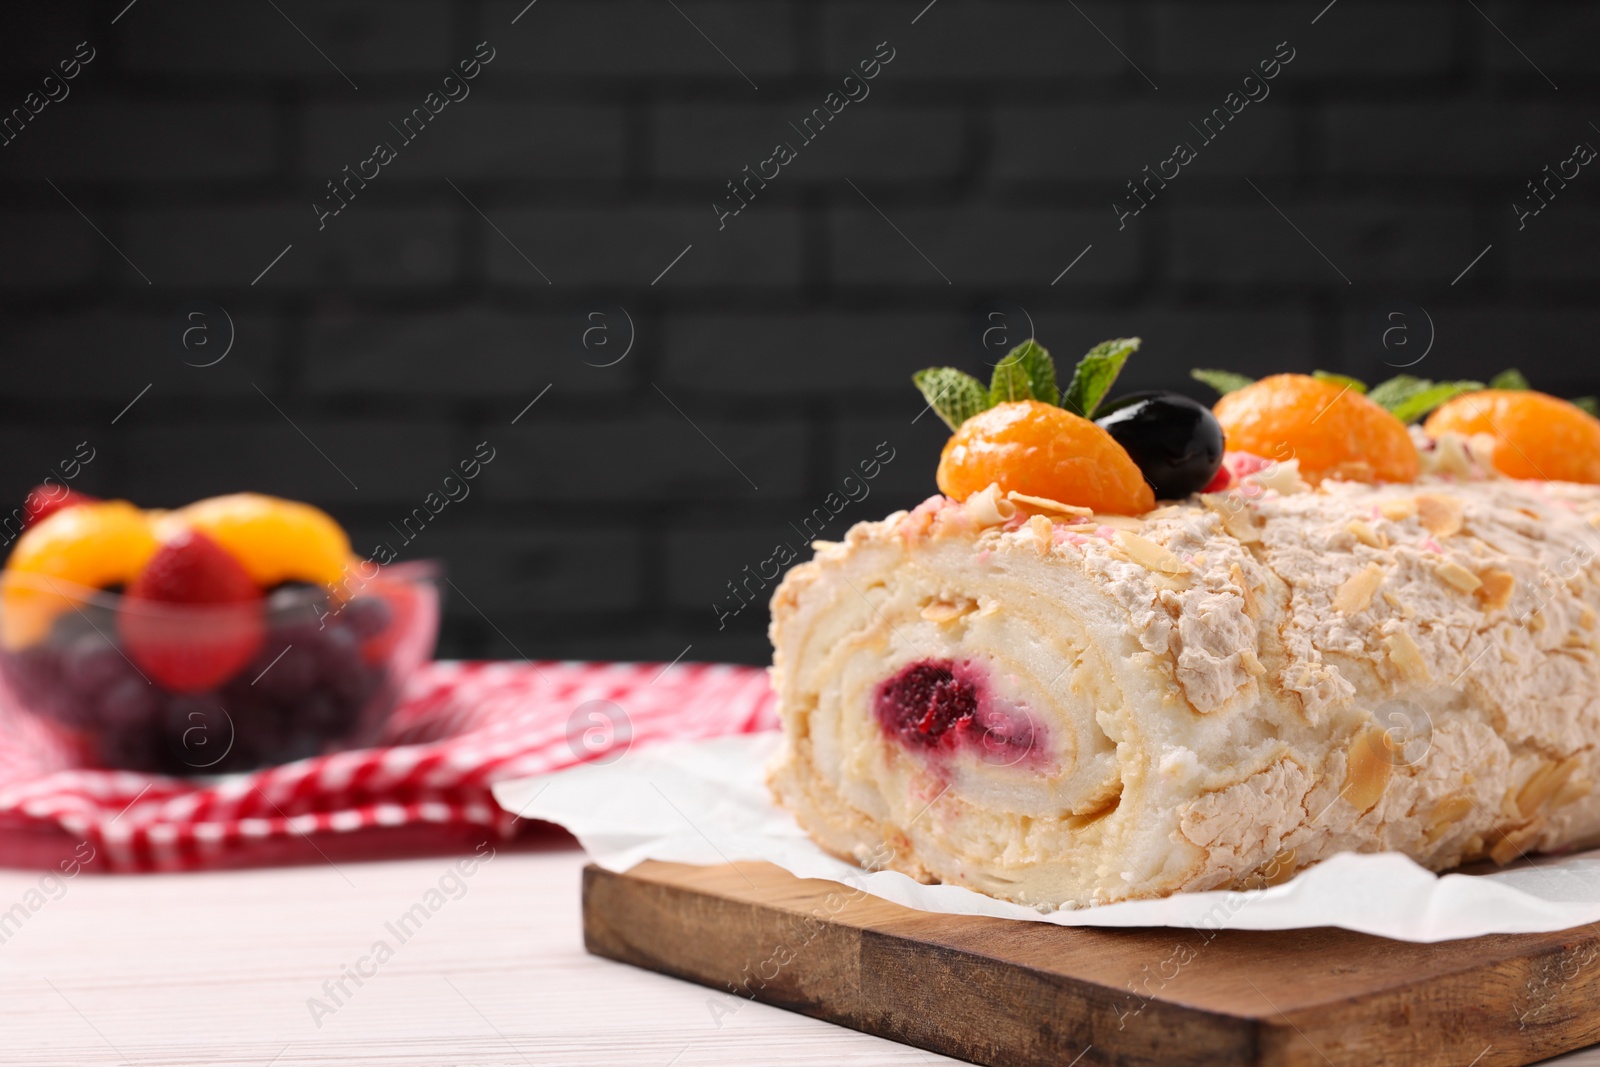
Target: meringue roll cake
1058 704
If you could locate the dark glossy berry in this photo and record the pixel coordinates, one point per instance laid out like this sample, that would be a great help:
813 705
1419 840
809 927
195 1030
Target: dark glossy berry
1176 442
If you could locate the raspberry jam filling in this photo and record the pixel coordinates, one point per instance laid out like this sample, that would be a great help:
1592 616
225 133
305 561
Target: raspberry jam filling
943 705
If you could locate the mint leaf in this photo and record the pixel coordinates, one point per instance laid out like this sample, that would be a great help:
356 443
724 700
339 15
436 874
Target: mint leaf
1428 399
1223 381
1095 373
1009 382
1510 378
1355 385
1409 398
1396 390
1590 404
954 395
1040 367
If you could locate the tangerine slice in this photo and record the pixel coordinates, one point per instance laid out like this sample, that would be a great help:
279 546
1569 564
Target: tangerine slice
89 546
1334 431
276 540
1042 450
1536 435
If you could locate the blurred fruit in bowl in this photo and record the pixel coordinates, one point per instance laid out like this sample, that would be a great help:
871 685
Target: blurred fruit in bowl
276 540
159 634
43 501
93 545
222 644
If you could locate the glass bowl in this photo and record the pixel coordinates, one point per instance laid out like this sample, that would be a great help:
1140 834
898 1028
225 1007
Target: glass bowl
213 689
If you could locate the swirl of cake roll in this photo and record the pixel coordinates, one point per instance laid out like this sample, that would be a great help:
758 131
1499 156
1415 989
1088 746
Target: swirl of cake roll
1063 709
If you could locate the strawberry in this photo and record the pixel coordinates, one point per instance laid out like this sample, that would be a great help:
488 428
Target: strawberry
43 502
193 617
1221 481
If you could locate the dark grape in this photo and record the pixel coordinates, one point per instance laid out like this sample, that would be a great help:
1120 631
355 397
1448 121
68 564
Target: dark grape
326 715
129 706
304 692
92 665
35 673
366 616
290 677
132 750
1176 442
341 667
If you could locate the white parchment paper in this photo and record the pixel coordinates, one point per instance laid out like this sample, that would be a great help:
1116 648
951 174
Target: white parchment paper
706 803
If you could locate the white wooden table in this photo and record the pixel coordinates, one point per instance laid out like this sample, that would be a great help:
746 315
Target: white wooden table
221 968
218 968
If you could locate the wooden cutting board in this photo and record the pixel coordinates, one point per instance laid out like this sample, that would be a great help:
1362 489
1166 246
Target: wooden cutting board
1000 992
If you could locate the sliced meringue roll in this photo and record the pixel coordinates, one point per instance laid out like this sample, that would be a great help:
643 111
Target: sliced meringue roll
1061 709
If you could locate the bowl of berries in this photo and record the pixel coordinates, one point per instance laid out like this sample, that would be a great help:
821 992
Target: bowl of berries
235 633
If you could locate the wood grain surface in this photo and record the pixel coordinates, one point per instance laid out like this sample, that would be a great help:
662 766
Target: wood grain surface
1000 992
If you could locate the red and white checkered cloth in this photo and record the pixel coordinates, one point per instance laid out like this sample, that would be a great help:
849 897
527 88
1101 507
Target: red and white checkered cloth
459 728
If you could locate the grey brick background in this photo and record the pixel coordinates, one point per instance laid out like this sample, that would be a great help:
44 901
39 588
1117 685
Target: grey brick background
929 222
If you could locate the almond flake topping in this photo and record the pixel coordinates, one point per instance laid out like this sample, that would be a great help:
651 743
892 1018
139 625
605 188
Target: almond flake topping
1453 573
1251 608
1370 763
1398 510
1043 533
944 611
1446 813
1043 503
1283 477
1235 516
1406 610
1356 592
1440 514
1514 844
1544 783
1150 555
1364 533
1407 657
988 508
1576 787
1497 587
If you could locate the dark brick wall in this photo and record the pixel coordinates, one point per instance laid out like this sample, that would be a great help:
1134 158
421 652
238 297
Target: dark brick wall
772 357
